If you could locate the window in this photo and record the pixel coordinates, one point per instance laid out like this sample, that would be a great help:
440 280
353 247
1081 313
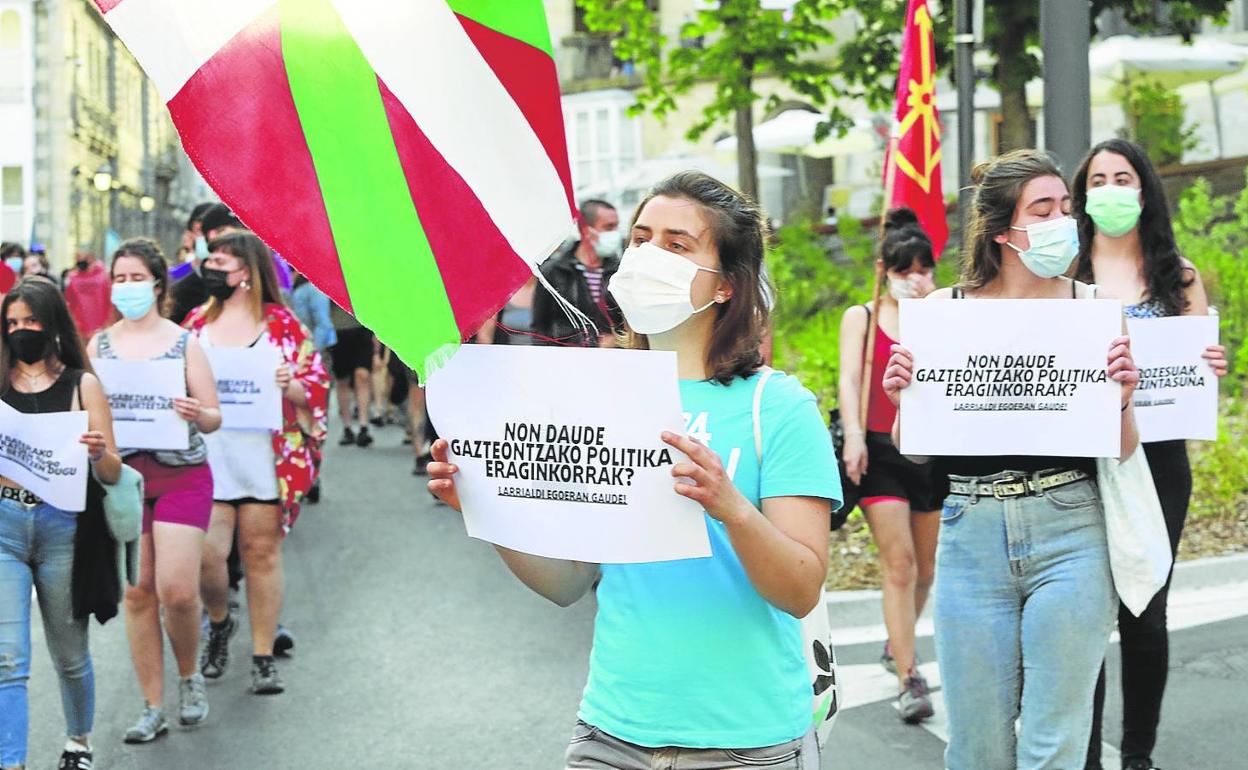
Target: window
605 142
12 62
11 196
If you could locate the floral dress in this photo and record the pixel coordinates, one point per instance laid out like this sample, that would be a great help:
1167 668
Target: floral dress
297 446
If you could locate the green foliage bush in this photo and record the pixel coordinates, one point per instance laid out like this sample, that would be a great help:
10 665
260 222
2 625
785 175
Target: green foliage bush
1155 120
1212 231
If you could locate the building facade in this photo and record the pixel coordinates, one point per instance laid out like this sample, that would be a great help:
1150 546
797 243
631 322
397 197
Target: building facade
107 161
17 120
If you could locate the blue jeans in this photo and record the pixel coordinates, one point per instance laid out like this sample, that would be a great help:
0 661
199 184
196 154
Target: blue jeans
1024 605
37 549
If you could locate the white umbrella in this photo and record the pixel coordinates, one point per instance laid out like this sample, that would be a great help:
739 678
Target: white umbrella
1171 63
793 132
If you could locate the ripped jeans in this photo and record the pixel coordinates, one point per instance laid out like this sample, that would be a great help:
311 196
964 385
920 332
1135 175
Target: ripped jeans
37 550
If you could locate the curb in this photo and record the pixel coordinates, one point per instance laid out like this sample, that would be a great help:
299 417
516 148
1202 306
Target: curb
854 609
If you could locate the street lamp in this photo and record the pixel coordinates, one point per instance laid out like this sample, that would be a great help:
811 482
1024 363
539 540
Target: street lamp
147 204
103 179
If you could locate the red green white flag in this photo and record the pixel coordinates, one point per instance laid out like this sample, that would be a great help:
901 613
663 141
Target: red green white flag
408 157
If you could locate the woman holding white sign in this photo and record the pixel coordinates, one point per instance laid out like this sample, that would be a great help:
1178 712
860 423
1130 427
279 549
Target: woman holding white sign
899 498
177 485
44 370
1023 574
259 477
1127 246
705 655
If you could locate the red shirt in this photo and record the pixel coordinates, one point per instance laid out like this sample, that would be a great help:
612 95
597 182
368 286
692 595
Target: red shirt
89 296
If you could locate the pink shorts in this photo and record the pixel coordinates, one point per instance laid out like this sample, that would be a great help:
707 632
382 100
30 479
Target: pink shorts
179 494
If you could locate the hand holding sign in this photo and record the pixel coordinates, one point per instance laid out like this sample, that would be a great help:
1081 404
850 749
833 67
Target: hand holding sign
442 475
1122 368
1216 356
187 408
96 446
711 487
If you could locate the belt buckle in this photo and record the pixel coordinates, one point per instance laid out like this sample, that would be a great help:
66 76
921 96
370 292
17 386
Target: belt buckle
997 487
28 500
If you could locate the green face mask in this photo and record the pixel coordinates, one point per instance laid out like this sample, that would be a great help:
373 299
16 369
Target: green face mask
1115 209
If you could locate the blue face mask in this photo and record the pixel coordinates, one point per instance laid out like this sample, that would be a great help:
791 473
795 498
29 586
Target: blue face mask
201 248
1054 246
134 298
15 264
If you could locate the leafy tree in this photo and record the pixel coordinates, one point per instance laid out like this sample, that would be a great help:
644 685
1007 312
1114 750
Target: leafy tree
732 43
1011 31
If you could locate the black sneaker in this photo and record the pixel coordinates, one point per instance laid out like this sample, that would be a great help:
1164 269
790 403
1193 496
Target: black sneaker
1139 764
216 654
75 760
283 642
364 439
348 437
264 677
377 421
314 493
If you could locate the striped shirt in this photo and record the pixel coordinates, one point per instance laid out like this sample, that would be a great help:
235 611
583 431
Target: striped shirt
594 278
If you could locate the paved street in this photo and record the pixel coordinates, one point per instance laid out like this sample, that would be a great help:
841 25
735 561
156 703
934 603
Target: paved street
416 649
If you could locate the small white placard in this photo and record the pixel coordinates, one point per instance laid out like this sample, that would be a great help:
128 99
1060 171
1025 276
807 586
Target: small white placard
140 395
1011 377
1178 393
560 455
43 453
247 386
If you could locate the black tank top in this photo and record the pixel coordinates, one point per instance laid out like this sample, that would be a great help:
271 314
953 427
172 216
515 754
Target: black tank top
58 398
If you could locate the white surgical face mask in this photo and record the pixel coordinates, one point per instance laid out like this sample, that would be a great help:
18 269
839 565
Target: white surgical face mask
1054 246
653 287
608 243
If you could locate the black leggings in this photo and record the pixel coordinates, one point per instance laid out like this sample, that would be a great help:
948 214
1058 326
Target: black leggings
1145 645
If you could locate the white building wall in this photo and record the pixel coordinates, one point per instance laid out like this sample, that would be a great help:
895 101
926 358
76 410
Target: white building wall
17 128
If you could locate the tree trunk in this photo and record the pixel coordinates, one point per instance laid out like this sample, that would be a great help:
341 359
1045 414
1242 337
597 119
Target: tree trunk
747 156
1016 130
1011 77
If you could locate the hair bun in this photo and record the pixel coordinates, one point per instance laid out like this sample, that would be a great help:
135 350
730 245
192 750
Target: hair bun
898 218
979 171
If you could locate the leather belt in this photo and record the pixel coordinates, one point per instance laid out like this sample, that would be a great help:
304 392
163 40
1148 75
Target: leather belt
28 499
1016 486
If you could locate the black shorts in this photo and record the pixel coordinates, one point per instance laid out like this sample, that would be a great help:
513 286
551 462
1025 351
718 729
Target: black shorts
241 501
890 476
353 351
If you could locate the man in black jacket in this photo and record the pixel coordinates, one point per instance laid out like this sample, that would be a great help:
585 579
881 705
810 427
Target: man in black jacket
580 272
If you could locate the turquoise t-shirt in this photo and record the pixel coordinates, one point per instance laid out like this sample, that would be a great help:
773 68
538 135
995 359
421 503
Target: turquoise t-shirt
687 653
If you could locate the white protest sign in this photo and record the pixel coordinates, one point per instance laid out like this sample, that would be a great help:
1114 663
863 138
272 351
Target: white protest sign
1178 393
247 386
1011 377
42 453
140 395
559 451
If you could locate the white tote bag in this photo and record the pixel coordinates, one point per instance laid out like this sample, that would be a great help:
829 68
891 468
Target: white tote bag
1139 545
816 628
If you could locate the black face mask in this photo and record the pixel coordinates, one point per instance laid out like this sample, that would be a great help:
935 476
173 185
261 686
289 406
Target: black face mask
29 345
81 264
216 283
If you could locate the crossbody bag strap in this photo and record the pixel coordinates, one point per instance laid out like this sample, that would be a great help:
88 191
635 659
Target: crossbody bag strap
764 375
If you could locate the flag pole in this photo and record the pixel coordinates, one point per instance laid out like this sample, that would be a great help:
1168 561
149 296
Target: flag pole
890 181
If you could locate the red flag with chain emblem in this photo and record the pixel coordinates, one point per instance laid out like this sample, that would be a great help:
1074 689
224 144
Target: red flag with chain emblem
916 170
